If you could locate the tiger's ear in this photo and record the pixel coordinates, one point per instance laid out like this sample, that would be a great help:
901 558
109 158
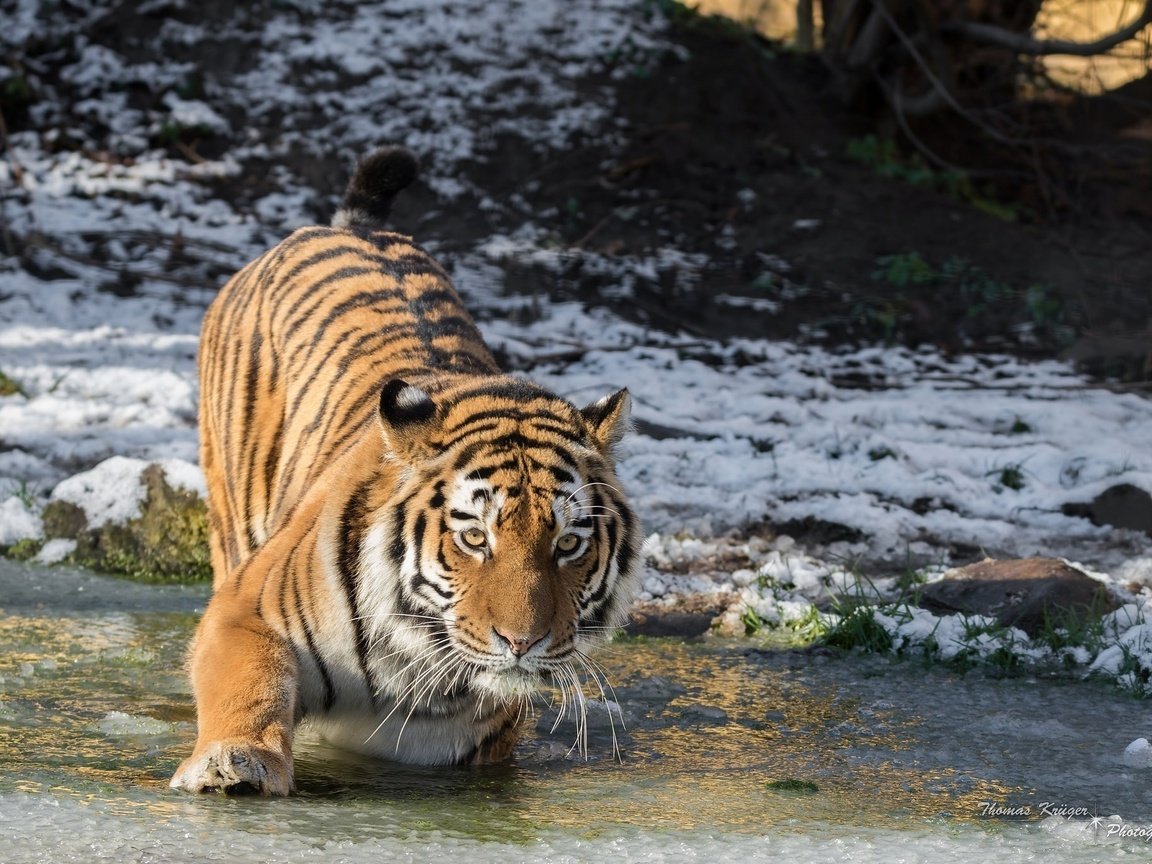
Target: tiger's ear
609 419
406 414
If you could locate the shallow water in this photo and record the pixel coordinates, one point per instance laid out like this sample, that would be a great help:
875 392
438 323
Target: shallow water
889 757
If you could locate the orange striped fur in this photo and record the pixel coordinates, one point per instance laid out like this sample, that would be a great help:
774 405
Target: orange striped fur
406 543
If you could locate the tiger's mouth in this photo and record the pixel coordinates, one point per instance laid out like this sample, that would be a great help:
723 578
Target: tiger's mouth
510 680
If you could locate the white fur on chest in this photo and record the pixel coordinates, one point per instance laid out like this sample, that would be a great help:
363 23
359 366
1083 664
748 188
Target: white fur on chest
414 740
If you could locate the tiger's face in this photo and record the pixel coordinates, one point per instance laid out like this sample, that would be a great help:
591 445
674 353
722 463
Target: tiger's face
514 546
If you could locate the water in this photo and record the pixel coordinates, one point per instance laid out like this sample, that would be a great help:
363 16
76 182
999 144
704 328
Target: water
730 754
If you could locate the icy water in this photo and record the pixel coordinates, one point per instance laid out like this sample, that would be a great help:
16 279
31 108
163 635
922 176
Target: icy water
730 754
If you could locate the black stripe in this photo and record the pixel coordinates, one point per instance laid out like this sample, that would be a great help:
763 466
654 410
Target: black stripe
348 558
251 383
419 580
565 432
561 475
295 317
325 675
288 281
507 442
272 456
613 539
398 546
514 389
511 412
491 738
442 560
368 342
484 472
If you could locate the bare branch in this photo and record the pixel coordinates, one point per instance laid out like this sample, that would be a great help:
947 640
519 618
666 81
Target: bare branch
1022 43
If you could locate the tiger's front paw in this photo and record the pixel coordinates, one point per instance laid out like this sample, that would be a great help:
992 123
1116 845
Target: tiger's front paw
235 768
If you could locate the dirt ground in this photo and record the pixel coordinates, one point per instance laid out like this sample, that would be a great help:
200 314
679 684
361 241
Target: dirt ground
806 220
818 225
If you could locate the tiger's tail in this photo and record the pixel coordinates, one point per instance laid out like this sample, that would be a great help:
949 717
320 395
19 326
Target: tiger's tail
374 186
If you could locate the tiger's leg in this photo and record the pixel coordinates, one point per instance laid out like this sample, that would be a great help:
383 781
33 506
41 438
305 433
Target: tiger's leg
244 677
501 739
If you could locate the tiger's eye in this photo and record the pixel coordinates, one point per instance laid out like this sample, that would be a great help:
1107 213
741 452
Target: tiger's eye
568 542
474 538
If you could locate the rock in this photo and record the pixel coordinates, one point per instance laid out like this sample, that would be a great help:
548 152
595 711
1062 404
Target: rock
1019 593
683 625
1121 506
63 520
166 540
705 715
1138 754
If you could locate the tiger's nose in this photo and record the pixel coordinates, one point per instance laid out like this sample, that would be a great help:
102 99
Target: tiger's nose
519 645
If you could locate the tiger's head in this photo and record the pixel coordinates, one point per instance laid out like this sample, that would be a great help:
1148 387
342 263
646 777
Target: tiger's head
511 546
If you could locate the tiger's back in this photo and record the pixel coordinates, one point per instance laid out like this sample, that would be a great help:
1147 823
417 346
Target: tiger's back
293 353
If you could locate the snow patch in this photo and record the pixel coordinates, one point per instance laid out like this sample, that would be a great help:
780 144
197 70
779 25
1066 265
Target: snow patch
56 550
17 521
117 724
113 491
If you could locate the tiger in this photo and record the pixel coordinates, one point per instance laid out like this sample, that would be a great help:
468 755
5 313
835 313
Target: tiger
407 543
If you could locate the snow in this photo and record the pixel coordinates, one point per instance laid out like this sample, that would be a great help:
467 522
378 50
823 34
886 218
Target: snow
17 521
1138 754
935 453
113 491
55 550
117 724
42 827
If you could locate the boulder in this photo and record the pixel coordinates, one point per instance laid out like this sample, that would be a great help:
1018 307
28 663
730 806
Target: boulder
682 625
1026 593
1121 506
133 518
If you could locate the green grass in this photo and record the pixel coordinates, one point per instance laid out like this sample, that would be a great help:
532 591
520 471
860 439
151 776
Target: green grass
24 549
1008 477
752 621
1074 628
173 132
904 269
11 387
858 630
970 288
886 159
851 625
25 495
1133 678
793 785
1019 427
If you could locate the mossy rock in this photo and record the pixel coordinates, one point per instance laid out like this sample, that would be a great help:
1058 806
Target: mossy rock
167 542
63 519
11 387
24 549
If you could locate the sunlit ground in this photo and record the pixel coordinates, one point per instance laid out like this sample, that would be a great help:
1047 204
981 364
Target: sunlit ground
1074 20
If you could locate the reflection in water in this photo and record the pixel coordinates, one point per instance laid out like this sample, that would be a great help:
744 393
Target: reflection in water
60 677
705 757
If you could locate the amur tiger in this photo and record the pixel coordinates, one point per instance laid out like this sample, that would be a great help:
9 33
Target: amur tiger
406 543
